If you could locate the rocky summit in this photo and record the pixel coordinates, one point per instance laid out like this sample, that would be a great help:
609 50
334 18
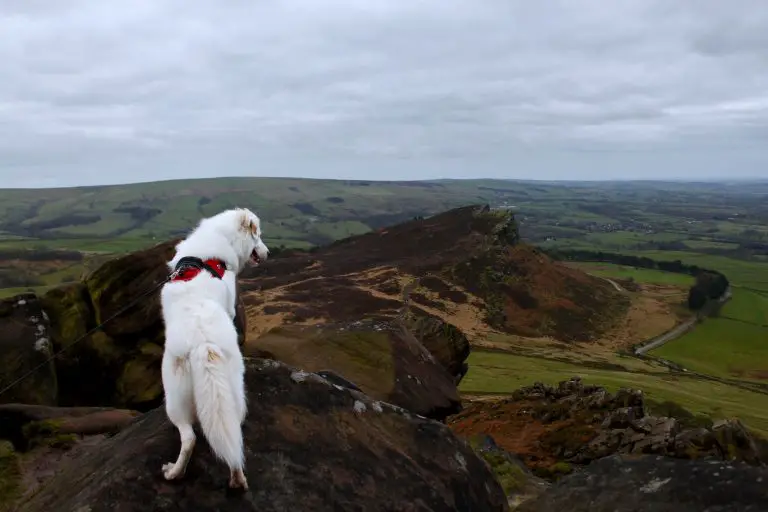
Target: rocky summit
311 445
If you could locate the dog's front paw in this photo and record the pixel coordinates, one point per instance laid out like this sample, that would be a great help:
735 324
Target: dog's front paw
170 471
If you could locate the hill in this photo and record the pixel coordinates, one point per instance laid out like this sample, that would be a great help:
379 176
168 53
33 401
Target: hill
726 219
717 225
296 212
464 266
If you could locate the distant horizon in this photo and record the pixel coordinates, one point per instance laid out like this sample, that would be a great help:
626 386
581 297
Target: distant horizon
378 180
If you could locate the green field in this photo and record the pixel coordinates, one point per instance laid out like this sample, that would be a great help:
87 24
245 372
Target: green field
641 275
501 373
747 274
731 345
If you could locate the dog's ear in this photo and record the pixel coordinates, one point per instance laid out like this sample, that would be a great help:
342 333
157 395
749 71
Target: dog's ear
245 221
247 224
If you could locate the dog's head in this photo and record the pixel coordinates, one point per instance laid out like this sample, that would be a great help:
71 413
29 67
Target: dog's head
243 228
255 249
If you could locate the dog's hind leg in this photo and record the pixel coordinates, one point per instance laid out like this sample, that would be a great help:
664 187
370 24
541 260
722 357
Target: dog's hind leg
236 372
180 407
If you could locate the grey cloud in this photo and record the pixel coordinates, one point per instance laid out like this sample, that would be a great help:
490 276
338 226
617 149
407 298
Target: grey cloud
164 88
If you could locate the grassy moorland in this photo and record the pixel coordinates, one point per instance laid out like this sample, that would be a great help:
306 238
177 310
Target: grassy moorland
721 226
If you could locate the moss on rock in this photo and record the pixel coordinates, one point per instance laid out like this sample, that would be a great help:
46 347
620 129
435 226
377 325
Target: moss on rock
511 477
10 476
47 433
139 384
69 312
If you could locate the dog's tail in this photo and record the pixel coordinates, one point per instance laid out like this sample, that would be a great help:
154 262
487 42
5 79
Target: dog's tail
216 406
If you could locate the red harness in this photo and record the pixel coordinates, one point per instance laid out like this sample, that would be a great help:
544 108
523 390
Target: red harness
189 268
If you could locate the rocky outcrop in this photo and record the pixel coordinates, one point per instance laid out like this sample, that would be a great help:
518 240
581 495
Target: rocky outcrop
446 342
657 484
25 344
555 429
379 356
118 364
310 446
620 423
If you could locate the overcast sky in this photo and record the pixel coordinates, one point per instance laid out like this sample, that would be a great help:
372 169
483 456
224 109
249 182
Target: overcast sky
95 91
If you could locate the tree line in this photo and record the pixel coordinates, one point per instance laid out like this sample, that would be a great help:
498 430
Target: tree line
709 284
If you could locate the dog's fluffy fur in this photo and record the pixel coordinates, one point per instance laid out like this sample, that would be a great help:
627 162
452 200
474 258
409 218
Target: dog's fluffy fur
202 366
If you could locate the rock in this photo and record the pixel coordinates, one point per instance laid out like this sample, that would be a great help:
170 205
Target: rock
379 356
657 484
25 343
29 425
335 378
119 364
310 446
736 442
445 341
517 481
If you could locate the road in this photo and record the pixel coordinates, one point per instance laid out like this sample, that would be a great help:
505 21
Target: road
677 331
615 284
670 335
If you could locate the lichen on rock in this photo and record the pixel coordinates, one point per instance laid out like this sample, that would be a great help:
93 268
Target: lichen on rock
24 346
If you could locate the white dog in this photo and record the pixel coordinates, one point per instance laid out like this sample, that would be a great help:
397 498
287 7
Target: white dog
203 369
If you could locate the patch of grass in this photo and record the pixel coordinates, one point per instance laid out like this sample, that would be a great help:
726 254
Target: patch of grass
502 373
641 275
710 244
556 470
747 306
339 230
